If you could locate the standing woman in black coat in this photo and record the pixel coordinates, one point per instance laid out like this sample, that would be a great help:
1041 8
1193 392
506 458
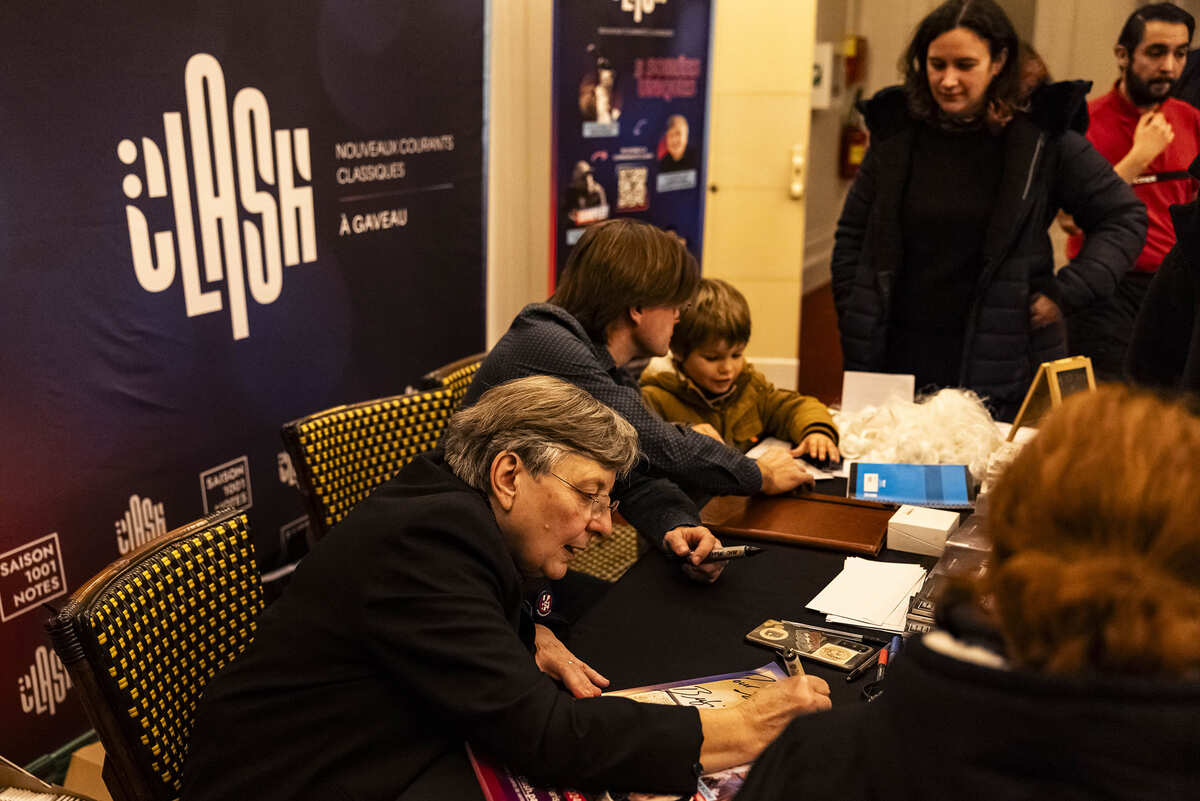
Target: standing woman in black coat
943 266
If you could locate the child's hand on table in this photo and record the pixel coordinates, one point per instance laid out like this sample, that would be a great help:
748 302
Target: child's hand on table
819 447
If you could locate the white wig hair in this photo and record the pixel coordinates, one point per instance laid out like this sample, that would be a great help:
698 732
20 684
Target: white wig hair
951 426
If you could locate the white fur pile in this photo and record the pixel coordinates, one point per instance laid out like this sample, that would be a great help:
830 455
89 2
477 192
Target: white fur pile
949 427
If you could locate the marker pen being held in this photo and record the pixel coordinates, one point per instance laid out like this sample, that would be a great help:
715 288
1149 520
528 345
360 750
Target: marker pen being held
732 552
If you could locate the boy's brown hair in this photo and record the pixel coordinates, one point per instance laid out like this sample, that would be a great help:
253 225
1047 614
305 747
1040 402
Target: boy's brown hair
718 312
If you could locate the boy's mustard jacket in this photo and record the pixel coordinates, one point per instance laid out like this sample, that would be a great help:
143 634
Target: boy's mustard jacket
751 410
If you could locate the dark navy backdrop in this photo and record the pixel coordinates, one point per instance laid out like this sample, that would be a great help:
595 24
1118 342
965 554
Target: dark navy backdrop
302 184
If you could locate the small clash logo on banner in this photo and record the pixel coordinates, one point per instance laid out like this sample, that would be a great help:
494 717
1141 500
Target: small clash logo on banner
227 486
287 471
143 521
30 575
242 164
43 686
639 8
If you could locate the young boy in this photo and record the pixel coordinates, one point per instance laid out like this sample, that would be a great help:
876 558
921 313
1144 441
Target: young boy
714 390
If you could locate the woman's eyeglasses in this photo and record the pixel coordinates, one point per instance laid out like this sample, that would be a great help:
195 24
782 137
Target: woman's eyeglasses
598 502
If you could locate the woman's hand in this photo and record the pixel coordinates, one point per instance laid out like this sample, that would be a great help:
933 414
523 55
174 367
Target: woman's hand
739 734
556 661
818 446
1043 311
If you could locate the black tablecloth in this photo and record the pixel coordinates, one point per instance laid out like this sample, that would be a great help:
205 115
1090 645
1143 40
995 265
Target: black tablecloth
655 625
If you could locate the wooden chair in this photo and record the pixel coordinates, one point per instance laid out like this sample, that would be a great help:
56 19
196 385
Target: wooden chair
143 637
456 377
342 454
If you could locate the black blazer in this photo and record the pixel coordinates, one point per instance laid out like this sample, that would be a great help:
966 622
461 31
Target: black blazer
401 635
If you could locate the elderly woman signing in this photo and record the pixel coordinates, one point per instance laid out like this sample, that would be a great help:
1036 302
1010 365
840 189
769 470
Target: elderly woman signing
403 632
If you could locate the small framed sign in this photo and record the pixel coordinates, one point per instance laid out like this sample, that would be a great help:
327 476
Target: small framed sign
1054 381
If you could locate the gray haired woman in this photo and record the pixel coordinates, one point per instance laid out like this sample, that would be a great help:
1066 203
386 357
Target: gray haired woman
403 633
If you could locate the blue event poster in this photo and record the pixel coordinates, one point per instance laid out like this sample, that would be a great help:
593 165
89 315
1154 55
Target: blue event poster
630 117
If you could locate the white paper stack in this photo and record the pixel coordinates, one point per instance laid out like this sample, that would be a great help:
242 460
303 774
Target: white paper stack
872 594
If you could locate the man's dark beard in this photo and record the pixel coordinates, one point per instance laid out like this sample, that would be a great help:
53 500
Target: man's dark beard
1139 90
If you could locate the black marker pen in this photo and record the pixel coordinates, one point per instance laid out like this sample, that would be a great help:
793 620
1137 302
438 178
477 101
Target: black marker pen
733 552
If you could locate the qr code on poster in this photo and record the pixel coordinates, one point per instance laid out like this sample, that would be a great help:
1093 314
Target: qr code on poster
631 188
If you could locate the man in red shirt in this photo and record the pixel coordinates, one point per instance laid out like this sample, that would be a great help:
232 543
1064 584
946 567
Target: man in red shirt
1150 138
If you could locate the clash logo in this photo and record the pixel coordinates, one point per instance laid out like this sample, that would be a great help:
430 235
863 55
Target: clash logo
44 685
640 7
143 521
244 168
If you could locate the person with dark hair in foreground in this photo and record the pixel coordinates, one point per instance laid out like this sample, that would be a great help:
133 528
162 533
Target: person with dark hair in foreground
619 299
1150 138
942 265
1071 669
403 633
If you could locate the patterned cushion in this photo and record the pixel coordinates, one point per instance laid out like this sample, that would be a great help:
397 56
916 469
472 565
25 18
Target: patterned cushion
609 557
344 453
164 627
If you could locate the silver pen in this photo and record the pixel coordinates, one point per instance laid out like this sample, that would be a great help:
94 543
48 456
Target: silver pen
849 635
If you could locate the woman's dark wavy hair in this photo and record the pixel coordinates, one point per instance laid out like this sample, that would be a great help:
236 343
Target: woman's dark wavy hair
987 21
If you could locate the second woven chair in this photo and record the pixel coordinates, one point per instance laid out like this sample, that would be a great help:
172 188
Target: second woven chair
342 454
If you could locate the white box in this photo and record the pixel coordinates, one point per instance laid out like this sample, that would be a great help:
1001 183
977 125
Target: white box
918 529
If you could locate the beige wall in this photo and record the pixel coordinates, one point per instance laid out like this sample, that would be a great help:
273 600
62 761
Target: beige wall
518 202
758 122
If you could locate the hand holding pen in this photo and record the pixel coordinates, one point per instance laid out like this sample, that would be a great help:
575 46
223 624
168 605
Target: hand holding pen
690 545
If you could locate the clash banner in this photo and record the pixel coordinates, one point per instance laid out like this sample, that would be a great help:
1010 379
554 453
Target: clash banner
630 115
215 217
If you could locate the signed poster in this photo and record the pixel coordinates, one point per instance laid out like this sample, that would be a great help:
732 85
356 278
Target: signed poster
710 692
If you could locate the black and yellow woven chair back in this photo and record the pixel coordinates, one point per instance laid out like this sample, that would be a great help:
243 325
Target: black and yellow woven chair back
455 377
608 558
142 638
342 454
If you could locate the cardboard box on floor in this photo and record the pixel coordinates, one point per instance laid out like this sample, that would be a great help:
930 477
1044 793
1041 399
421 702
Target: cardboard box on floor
83 774
13 775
